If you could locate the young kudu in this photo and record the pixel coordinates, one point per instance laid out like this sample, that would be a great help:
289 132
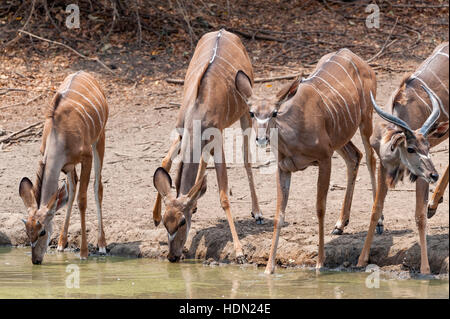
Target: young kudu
315 117
74 132
213 98
417 118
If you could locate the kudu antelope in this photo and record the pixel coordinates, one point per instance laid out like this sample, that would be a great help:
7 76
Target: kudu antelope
417 117
315 117
74 132
214 98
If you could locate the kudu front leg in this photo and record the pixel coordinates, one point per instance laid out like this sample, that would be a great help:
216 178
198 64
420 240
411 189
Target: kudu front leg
438 194
323 183
72 180
352 157
283 186
377 210
256 211
422 189
85 175
222 181
166 164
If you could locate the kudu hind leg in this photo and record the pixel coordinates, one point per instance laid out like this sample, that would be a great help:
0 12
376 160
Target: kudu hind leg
422 189
352 157
166 164
72 179
256 211
323 183
98 150
438 194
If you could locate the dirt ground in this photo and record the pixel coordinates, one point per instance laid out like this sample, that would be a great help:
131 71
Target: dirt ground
137 139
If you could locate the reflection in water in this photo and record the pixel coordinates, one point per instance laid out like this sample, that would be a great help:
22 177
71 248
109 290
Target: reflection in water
114 277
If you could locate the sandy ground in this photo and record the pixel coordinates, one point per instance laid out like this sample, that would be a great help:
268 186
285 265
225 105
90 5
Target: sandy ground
138 138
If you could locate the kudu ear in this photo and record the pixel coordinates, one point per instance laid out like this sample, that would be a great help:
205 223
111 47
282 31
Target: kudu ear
243 85
438 130
59 199
26 192
394 138
289 90
198 190
162 182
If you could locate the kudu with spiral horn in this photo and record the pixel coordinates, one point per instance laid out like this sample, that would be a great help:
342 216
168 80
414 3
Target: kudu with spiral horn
403 144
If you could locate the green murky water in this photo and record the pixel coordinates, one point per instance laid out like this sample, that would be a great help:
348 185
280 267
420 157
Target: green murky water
115 277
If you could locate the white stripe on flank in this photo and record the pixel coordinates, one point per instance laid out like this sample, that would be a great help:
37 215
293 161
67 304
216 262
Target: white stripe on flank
435 95
443 53
336 91
83 117
226 61
440 81
98 102
99 93
415 92
326 105
92 104
349 93
341 66
359 78
428 61
81 105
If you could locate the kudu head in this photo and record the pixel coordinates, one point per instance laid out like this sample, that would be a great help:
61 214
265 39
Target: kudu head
177 218
264 111
402 147
38 225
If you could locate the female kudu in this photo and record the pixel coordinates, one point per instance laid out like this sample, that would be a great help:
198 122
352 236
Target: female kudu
74 132
315 117
403 145
212 101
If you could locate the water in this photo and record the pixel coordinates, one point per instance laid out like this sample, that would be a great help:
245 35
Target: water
116 277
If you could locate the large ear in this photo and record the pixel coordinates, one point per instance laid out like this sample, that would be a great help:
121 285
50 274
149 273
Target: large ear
27 194
59 199
394 137
243 85
438 130
198 190
162 181
289 90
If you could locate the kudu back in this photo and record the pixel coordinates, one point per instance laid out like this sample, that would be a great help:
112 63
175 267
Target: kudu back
415 120
217 83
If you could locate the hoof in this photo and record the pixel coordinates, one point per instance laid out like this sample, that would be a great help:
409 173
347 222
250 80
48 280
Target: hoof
380 229
269 270
241 259
102 250
431 212
156 222
60 249
441 200
337 231
258 217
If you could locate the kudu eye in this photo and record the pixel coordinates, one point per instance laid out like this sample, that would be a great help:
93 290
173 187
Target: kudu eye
275 113
411 150
42 233
252 114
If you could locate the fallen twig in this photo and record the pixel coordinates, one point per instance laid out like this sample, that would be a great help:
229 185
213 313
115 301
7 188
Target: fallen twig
12 135
385 45
68 47
26 103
